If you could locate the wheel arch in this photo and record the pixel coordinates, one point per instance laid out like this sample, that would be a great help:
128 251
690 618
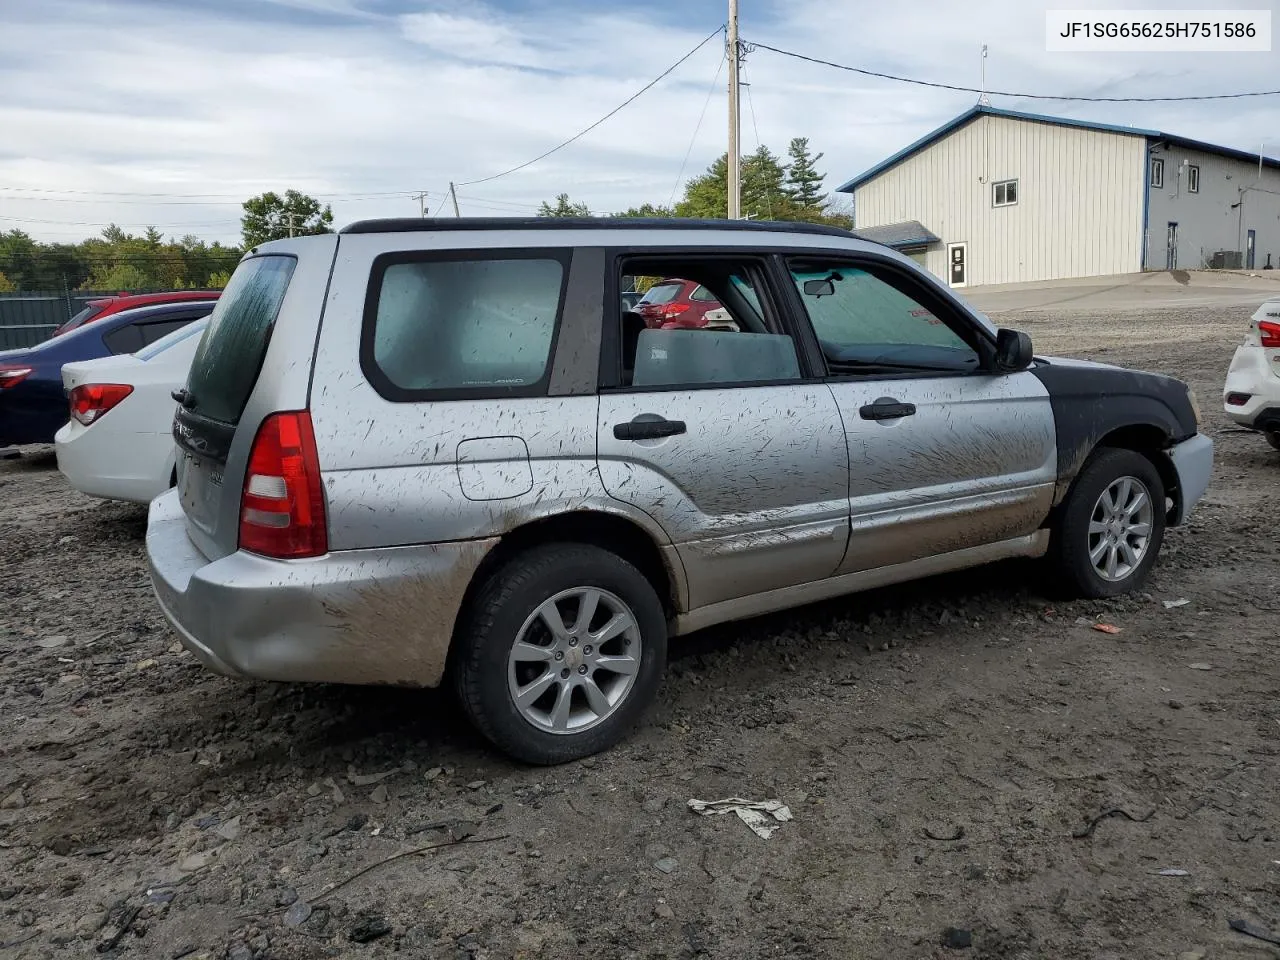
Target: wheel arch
1148 438
610 531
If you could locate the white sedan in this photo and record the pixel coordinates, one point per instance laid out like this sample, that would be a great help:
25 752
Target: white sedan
119 442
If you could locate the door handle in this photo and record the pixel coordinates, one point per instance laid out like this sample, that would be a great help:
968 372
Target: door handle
887 408
647 429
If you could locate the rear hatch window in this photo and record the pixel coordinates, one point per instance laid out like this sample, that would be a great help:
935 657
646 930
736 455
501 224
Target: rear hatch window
227 362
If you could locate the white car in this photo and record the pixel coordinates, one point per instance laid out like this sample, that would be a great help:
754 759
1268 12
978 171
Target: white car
1251 396
119 442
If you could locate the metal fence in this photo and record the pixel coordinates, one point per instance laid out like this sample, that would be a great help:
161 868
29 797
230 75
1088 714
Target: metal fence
29 317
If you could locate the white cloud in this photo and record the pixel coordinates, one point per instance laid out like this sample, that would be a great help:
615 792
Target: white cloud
183 101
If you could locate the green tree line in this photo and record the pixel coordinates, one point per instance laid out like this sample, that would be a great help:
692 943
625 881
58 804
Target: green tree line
119 260
771 190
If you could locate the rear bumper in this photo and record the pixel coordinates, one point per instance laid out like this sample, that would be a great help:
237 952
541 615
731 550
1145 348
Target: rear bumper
1192 460
382 616
1251 374
134 466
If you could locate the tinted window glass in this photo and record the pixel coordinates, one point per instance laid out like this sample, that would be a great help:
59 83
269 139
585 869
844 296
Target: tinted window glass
185 332
702 293
230 354
862 320
83 317
126 339
466 324
151 332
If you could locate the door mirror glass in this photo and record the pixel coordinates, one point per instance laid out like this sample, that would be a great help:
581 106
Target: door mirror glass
1013 350
819 288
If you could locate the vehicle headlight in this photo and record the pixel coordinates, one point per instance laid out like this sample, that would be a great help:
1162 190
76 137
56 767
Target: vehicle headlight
1195 405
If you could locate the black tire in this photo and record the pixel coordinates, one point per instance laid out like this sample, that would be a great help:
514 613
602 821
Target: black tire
1273 438
1074 572
491 626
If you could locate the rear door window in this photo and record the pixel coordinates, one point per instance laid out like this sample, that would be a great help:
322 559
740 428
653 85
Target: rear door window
230 354
476 327
126 339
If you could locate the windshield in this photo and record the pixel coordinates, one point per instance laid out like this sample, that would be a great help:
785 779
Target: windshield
90 311
172 339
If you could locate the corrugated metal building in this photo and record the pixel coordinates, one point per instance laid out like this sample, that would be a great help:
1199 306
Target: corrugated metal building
998 196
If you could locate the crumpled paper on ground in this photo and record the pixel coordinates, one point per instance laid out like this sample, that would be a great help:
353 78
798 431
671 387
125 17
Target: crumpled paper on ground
750 812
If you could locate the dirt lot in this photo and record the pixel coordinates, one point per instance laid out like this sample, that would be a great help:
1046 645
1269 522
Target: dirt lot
941 746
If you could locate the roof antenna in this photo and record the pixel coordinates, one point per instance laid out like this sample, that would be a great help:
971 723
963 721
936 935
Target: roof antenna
983 100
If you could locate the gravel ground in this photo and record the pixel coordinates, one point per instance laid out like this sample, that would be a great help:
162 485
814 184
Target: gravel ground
941 745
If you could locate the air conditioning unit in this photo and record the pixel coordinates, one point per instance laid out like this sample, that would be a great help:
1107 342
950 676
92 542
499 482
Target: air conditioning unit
1226 260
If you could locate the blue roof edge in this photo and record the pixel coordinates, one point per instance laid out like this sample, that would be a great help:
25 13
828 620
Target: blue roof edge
980 110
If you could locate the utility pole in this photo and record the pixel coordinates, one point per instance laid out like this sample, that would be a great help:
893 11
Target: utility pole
735 149
422 202
291 223
453 194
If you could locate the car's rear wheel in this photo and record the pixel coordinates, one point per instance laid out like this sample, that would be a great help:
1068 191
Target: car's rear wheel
561 652
1273 438
1111 526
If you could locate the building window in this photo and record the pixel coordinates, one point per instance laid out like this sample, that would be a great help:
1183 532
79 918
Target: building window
1004 193
1157 172
1193 179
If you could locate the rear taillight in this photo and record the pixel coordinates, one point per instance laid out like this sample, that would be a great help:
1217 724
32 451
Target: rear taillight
282 507
12 376
1269 331
90 401
673 310
1237 399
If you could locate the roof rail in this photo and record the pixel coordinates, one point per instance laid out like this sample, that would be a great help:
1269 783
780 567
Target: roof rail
418 224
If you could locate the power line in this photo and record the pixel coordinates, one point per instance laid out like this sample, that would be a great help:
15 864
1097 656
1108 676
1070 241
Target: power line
698 126
619 107
1006 93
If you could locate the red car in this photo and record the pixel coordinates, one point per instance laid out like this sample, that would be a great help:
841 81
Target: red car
682 304
105 306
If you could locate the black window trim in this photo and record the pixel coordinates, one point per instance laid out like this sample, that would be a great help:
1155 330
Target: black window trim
939 303
779 317
394 393
1157 164
1005 183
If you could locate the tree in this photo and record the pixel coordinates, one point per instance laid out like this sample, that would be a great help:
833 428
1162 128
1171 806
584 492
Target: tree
804 182
271 217
763 194
6 285
647 210
564 208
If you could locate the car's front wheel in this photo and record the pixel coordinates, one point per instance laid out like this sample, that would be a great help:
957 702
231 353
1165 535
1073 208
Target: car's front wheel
1111 526
561 652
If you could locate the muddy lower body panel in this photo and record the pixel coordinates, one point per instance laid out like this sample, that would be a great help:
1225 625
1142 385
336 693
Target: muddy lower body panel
382 616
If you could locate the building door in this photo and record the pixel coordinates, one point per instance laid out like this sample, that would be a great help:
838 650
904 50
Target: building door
956 254
1250 244
1171 248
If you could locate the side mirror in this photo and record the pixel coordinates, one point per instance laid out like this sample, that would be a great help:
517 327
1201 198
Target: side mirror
819 288
1013 351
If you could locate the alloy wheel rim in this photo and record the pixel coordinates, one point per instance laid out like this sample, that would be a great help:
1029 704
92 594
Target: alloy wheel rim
574 661
1120 529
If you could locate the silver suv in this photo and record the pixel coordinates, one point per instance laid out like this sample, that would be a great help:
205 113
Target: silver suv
423 450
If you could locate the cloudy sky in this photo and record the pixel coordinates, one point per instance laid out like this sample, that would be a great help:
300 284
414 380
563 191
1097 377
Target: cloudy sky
171 112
